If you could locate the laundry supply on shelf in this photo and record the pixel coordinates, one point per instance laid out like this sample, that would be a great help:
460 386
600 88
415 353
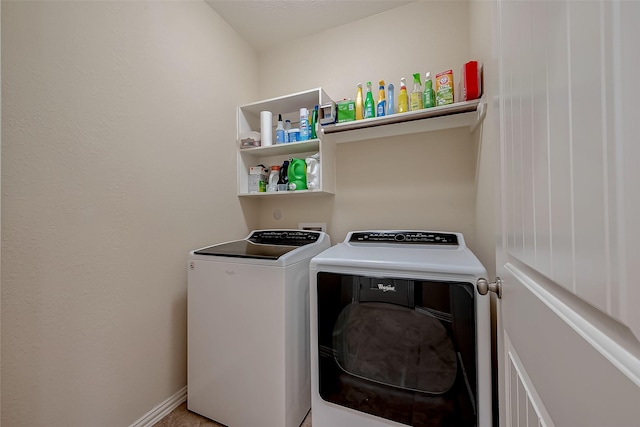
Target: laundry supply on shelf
359 103
429 96
280 131
403 98
258 176
416 94
444 88
297 173
369 105
381 107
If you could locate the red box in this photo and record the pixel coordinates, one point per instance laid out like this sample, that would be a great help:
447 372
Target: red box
471 81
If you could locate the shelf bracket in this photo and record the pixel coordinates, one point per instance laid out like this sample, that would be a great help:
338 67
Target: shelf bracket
482 112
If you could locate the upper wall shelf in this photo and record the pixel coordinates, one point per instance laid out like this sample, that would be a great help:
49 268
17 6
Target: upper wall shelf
460 114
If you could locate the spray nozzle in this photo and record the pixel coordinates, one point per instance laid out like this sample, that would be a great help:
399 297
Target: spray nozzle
381 83
416 78
403 83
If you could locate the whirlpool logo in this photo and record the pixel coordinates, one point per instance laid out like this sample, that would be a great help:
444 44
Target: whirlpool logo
386 288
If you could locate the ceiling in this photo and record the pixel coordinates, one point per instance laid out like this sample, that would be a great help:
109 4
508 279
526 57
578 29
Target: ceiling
268 23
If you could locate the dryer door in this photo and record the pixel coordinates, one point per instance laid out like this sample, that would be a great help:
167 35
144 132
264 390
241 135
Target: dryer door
400 349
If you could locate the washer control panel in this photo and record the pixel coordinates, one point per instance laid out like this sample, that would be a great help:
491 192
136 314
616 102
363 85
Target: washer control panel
406 237
284 237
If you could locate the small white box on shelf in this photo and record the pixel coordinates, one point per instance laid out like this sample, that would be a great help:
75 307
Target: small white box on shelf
258 179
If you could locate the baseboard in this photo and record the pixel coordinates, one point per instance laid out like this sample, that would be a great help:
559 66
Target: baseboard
162 410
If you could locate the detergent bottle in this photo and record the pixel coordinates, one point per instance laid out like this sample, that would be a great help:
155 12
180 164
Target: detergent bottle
283 180
313 172
416 94
314 123
369 105
297 174
359 103
382 102
403 98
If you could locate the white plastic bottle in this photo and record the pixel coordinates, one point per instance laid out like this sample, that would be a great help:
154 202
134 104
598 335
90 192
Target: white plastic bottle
274 175
313 172
304 124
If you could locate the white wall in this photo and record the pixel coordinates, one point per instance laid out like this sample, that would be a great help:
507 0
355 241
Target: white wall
118 157
0 217
424 181
481 24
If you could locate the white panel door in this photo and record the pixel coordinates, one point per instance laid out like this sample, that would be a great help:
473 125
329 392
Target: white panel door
569 186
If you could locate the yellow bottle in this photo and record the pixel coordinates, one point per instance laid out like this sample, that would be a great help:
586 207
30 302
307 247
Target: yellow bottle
359 103
403 98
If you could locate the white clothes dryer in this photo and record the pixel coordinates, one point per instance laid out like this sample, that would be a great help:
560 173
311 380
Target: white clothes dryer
248 328
400 335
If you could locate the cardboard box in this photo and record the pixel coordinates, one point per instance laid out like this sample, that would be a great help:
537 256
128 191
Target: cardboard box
258 176
470 86
346 111
444 88
327 113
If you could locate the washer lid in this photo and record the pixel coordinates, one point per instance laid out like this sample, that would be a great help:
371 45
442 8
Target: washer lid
263 244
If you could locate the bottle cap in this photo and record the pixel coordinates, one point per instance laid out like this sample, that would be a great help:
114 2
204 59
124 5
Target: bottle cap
275 168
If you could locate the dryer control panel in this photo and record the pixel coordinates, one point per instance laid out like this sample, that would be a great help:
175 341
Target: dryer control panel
406 237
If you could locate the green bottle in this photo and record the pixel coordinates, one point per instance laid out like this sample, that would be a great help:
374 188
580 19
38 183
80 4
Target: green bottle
415 99
369 105
429 97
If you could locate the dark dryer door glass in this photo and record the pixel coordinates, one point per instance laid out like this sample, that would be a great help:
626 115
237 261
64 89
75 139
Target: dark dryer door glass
400 349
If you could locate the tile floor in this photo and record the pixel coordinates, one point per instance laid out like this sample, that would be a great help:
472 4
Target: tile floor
182 417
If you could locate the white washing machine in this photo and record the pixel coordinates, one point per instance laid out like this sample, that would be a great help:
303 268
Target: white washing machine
248 328
400 335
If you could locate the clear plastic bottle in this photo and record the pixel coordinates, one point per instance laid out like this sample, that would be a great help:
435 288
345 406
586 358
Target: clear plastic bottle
369 105
287 128
381 107
359 103
403 98
416 94
280 131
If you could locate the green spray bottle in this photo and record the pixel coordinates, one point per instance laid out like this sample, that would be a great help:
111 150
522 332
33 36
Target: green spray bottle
415 102
429 96
369 105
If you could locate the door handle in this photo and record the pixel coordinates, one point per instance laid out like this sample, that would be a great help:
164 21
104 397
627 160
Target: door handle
484 286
